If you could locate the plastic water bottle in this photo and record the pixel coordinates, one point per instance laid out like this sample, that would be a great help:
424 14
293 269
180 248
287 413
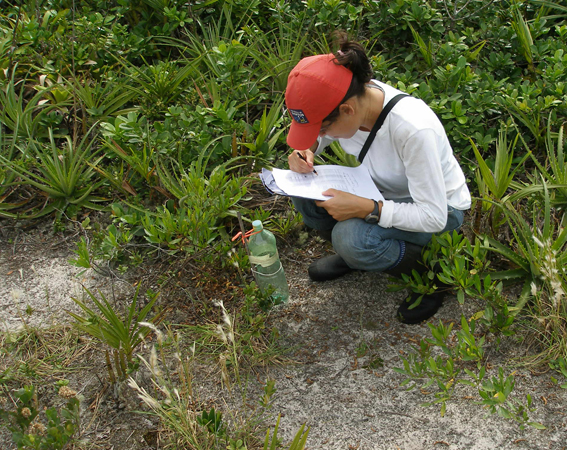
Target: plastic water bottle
266 263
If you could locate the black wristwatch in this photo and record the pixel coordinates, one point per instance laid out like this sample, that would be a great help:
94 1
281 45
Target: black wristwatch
374 216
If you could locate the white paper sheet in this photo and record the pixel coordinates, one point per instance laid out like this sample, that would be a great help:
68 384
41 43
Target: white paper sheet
355 180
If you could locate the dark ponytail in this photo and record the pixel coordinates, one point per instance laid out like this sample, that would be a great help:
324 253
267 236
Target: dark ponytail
353 56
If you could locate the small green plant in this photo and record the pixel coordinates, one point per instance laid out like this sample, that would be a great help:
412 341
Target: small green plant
523 34
298 442
559 365
495 397
31 431
20 115
439 370
496 316
212 421
8 150
451 260
103 99
122 335
269 391
453 367
286 223
335 154
426 50
277 51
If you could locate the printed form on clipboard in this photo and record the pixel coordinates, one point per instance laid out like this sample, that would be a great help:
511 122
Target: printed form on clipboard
355 180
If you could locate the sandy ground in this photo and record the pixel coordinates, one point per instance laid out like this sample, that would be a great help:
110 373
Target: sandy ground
350 403
346 343
38 282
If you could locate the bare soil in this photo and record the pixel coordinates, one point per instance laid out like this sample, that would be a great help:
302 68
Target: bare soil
344 341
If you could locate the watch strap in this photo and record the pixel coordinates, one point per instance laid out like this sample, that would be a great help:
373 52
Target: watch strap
374 214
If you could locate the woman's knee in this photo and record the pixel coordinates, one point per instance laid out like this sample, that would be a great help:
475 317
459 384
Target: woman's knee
455 219
364 246
313 216
350 239
303 205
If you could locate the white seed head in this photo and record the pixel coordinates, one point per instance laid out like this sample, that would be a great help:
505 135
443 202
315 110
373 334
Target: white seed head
537 241
221 333
226 318
151 326
142 393
154 362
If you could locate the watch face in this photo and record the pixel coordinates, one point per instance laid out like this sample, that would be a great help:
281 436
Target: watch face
371 218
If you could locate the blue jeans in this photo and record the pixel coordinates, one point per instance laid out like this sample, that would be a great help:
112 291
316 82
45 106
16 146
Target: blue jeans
366 246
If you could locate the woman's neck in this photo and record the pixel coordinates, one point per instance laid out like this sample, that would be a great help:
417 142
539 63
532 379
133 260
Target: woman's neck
372 103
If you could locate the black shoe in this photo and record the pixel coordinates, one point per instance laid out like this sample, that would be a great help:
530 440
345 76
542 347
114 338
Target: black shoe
410 261
429 304
426 309
328 268
326 234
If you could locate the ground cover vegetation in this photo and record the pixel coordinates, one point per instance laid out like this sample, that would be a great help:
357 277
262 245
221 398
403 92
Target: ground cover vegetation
141 123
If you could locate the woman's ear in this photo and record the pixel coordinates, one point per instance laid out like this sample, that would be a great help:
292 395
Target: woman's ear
347 108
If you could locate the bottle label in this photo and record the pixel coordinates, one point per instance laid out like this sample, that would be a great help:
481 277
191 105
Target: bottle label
264 261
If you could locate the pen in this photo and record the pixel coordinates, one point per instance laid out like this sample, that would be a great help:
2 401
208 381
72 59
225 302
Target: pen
303 158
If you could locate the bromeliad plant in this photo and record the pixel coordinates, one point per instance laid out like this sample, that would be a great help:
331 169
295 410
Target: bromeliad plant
101 100
21 115
8 151
65 176
277 51
494 184
553 173
537 251
269 132
158 86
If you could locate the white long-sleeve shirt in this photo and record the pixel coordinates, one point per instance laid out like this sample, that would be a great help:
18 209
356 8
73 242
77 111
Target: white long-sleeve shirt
411 157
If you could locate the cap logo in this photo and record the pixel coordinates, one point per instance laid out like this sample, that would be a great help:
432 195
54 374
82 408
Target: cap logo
298 115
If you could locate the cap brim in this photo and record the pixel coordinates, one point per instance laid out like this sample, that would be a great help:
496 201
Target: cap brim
303 136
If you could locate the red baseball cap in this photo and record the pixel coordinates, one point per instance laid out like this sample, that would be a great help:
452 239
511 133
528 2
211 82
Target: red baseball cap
315 87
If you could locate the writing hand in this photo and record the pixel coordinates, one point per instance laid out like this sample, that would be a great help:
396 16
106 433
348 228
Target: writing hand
303 163
342 205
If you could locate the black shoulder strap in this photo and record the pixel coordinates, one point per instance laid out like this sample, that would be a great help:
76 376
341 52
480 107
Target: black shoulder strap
378 124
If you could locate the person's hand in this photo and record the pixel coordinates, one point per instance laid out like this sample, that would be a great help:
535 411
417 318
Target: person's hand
302 164
342 205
